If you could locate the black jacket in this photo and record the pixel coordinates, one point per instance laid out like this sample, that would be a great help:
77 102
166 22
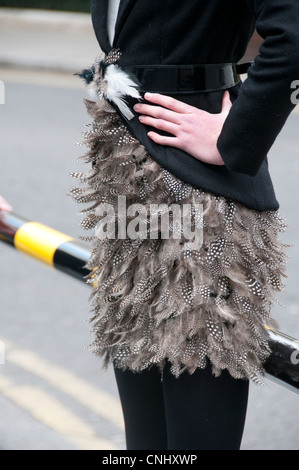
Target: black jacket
217 31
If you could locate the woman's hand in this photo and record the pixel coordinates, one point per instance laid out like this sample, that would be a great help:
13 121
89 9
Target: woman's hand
4 206
195 131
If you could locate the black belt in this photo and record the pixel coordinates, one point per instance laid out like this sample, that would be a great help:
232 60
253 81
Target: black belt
187 78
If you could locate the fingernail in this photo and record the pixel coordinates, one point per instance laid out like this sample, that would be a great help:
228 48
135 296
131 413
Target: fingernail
137 107
148 95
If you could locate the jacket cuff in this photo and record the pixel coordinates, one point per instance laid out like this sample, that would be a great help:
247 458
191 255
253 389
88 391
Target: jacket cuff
235 158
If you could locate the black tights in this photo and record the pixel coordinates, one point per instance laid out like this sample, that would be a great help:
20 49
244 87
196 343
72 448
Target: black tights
192 412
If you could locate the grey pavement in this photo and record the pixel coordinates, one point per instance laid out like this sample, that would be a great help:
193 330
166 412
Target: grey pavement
54 41
54 394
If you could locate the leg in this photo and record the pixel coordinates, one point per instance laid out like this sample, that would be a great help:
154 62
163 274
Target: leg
204 412
141 397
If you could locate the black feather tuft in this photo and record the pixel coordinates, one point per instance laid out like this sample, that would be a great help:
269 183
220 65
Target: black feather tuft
87 75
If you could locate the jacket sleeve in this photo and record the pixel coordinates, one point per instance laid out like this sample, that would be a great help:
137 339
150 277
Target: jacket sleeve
264 102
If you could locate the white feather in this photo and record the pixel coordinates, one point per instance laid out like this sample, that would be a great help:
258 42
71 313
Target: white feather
120 85
93 92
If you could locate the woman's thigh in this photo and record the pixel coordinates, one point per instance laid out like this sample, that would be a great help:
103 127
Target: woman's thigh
204 412
142 400
192 412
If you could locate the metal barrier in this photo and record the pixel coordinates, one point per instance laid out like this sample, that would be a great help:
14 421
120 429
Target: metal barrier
64 253
45 244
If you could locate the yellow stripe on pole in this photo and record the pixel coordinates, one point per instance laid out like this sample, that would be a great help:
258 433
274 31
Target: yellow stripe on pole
39 241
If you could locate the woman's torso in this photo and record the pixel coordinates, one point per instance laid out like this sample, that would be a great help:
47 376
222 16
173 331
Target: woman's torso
175 32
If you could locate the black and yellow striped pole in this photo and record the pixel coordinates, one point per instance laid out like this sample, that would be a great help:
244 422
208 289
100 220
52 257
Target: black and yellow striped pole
64 253
50 246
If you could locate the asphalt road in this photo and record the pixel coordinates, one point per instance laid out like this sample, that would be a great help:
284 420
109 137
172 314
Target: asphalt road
54 394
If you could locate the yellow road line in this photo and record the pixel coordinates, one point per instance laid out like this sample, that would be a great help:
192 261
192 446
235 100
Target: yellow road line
51 413
84 393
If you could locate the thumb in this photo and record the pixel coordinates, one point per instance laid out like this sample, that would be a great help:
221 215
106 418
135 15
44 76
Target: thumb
226 102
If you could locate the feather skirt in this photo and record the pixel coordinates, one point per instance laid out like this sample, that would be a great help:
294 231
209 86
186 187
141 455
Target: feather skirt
153 300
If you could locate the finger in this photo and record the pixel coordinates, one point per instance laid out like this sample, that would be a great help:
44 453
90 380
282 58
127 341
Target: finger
163 140
158 113
226 102
4 205
160 124
6 208
169 103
